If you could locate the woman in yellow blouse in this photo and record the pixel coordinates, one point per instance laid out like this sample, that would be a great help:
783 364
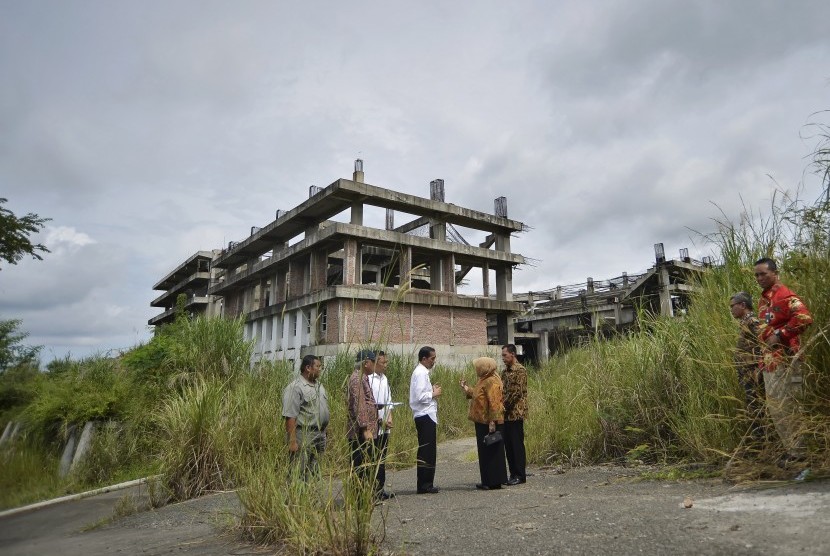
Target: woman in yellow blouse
487 412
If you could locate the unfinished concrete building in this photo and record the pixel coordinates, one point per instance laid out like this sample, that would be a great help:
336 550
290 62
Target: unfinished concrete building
192 279
563 316
308 284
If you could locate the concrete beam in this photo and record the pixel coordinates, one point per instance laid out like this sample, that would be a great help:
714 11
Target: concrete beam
336 234
413 225
339 196
188 267
350 294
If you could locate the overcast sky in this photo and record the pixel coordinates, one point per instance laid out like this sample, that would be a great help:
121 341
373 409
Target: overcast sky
149 130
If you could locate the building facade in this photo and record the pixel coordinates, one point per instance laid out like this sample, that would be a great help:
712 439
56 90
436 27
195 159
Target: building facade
192 279
308 284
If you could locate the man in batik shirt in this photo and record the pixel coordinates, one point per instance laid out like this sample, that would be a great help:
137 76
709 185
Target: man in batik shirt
784 317
514 381
362 418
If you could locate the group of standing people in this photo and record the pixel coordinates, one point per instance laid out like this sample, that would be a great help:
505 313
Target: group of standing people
768 357
369 417
498 405
767 360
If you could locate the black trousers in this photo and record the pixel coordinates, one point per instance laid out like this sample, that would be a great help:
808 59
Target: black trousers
427 450
491 466
364 460
514 448
381 447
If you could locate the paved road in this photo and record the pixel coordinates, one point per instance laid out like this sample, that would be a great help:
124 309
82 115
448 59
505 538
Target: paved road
592 510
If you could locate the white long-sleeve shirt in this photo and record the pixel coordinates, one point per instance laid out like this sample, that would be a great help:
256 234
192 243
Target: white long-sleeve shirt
383 396
420 394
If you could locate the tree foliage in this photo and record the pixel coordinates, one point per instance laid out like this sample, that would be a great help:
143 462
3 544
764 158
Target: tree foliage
15 232
12 351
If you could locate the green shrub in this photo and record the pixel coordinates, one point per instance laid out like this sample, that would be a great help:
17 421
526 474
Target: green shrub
73 392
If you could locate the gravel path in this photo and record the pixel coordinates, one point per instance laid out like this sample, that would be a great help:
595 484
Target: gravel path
591 510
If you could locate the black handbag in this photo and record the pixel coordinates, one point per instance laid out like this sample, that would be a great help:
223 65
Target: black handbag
492 438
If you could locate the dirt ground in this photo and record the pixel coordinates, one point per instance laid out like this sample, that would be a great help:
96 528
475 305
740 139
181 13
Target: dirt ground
591 510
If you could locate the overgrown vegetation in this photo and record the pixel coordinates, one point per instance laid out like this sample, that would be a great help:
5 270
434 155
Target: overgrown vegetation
668 391
189 406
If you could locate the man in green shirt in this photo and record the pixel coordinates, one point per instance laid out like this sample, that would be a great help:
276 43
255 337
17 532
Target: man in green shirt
306 411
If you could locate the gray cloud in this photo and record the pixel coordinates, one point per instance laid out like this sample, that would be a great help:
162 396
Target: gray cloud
160 129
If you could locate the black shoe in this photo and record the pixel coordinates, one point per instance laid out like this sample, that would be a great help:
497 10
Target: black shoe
429 490
481 486
513 481
384 496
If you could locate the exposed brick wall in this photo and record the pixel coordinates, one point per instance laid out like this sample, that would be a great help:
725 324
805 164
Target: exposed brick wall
332 323
367 321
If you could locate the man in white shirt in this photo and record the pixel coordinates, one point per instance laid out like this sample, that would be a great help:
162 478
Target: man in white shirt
422 399
383 398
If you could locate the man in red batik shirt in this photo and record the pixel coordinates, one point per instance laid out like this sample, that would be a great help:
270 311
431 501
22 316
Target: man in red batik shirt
784 317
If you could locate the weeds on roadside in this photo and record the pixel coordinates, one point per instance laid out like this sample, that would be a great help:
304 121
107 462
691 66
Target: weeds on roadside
329 514
668 391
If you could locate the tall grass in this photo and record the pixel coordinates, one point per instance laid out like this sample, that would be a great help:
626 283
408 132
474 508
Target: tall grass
27 474
668 391
204 347
330 514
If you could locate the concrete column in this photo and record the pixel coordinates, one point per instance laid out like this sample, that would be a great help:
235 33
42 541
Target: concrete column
276 340
264 293
666 308
317 269
504 283
405 278
485 280
6 432
544 347
273 290
352 271
248 300
83 443
68 452
436 274
448 277
269 342
282 286
438 230
312 334
286 331
296 278
505 329
503 242
357 176
357 214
